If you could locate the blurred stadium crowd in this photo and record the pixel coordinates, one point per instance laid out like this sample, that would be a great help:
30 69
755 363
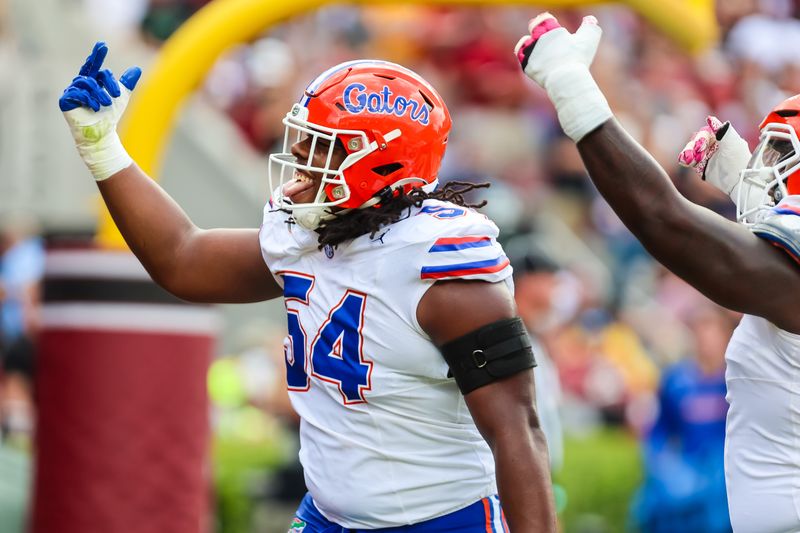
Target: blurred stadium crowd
632 347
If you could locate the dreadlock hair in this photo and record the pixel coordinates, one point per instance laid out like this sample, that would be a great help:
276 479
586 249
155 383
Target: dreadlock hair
370 220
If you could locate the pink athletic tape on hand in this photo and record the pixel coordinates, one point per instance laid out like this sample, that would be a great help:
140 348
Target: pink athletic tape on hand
540 28
537 27
714 123
697 154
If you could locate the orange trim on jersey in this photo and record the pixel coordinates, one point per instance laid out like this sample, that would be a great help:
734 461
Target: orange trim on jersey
782 208
461 240
487 510
785 249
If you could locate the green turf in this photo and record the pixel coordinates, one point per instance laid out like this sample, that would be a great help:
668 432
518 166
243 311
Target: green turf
600 474
15 475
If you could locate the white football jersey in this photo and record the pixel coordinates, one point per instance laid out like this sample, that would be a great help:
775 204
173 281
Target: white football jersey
386 437
762 454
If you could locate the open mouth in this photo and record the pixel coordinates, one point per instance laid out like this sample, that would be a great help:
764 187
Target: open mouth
301 189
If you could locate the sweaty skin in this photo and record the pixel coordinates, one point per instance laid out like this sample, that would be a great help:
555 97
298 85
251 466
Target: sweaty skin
720 258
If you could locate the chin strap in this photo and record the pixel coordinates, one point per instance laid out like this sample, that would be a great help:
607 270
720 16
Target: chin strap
312 218
385 194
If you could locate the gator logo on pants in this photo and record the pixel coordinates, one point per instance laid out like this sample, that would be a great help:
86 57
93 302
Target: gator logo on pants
297 526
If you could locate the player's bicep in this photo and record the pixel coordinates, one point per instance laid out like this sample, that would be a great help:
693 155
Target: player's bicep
451 309
733 267
224 266
473 324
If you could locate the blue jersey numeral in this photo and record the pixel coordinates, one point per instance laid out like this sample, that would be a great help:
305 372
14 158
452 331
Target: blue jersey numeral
296 288
336 351
296 375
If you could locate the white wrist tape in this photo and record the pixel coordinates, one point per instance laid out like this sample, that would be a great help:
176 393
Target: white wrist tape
105 157
95 134
580 104
724 167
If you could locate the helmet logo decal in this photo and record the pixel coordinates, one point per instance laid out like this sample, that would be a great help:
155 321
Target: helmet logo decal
357 100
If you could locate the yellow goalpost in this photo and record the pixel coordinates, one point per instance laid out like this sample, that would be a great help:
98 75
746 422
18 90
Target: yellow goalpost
187 56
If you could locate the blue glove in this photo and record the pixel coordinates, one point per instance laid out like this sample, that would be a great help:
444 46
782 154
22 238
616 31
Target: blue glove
92 105
94 87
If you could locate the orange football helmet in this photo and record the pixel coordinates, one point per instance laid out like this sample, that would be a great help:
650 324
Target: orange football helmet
392 124
774 169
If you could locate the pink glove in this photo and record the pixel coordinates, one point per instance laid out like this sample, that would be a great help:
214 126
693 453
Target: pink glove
701 146
538 26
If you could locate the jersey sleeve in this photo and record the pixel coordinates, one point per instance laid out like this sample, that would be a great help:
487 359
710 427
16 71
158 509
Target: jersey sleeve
780 226
270 249
437 242
461 247
283 244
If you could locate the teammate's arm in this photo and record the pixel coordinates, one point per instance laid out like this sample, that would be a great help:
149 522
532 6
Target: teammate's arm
197 265
504 411
722 259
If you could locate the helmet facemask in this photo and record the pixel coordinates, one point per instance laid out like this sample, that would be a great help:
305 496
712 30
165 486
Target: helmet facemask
333 189
764 182
323 140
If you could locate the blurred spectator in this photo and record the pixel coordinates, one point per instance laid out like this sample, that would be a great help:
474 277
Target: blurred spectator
21 270
163 17
684 488
603 366
254 87
115 16
535 288
763 44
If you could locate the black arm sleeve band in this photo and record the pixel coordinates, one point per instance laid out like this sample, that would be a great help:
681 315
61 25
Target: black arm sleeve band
489 353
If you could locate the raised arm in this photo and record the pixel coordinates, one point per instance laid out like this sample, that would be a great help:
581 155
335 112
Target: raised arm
198 265
722 259
504 410
211 266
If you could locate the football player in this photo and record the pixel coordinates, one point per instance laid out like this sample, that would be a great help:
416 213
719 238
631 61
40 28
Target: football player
405 359
749 266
